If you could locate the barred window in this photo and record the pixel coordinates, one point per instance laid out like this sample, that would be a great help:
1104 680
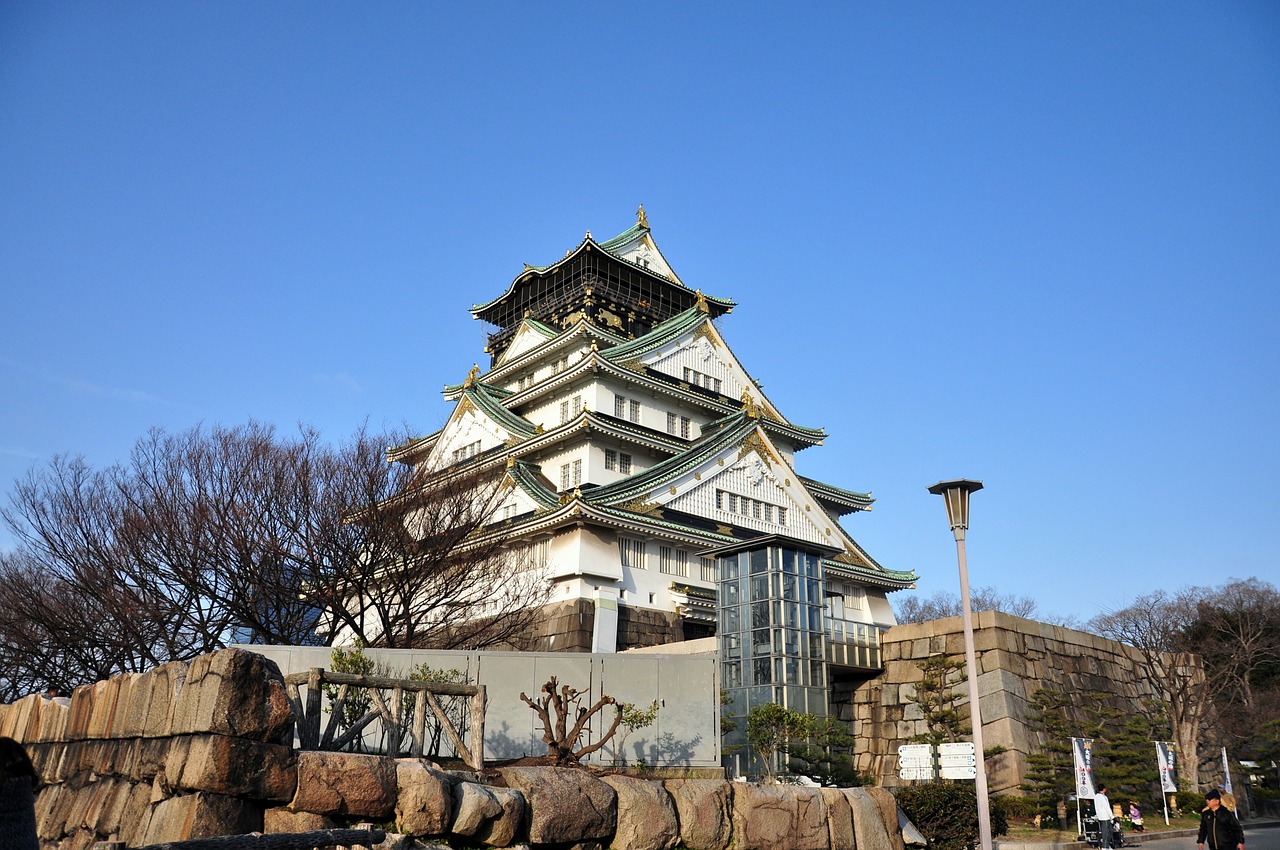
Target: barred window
617 461
632 552
672 561
699 379
626 408
570 474
467 451
748 507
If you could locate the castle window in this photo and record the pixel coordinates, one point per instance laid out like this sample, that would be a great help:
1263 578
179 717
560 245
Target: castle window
674 562
570 474
626 408
570 408
699 379
468 451
617 461
748 507
632 552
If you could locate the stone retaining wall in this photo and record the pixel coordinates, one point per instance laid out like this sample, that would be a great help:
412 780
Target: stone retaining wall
1016 657
194 750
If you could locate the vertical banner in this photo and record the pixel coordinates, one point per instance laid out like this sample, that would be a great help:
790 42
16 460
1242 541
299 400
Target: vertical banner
1082 750
1226 773
1166 758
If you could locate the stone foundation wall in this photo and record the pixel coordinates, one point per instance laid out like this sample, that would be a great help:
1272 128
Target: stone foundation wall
638 627
565 626
184 750
194 750
1016 657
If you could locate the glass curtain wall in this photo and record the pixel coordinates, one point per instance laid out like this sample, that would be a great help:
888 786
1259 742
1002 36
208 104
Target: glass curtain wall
771 638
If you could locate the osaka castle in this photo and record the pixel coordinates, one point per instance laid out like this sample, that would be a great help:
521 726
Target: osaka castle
656 481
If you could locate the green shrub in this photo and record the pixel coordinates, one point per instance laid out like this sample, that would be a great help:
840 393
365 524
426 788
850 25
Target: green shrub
947 814
1190 802
1019 807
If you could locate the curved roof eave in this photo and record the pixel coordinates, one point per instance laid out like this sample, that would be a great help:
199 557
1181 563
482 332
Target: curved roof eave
587 244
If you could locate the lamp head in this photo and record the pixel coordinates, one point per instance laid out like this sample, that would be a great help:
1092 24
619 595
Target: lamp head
956 496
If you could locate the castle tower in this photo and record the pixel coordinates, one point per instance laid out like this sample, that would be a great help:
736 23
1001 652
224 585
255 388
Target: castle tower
639 456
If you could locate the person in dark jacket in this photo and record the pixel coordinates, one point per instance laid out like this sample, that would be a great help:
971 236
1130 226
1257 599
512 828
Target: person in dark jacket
1218 826
18 781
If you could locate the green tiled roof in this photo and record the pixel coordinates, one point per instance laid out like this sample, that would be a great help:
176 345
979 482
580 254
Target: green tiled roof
663 471
851 496
489 399
661 333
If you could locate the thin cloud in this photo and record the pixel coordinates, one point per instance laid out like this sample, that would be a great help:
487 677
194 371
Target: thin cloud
342 380
118 393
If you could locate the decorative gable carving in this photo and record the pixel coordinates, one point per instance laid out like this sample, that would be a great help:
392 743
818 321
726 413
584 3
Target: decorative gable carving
526 339
468 426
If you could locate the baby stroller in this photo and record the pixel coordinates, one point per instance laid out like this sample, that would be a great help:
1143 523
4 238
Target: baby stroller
1093 834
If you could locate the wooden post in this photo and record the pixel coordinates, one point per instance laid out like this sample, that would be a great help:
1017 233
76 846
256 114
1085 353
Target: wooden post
479 704
397 711
314 677
419 724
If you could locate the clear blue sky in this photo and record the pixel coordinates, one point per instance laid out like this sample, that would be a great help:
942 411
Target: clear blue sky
1032 243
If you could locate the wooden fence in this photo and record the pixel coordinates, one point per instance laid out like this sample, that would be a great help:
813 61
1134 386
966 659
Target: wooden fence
308 716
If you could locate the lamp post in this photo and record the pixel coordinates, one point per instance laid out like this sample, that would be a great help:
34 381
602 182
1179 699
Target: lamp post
956 496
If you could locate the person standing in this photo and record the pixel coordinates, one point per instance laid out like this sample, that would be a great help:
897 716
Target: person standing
1103 814
1218 826
1135 816
18 781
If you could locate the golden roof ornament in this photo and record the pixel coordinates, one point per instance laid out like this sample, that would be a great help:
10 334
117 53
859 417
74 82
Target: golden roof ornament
511 462
749 404
472 375
641 218
701 303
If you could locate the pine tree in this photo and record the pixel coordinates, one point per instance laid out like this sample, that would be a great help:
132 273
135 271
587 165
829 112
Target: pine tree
936 695
1050 774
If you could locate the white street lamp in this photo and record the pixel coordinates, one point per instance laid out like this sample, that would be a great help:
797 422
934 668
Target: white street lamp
956 496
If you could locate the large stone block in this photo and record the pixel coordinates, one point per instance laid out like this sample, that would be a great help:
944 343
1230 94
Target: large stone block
476 806
345 784
779 818
236 693
839 819
234 766
565 805
869 829
199 815
424 800
888 807
646 815
705 811
503 830
153 698
282 820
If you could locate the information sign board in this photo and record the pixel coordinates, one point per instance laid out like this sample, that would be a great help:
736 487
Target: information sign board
958 760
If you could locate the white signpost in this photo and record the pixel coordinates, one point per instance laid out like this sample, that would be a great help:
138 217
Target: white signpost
916 761
959 760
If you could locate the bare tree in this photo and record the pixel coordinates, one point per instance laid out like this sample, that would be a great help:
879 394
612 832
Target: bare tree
221 535
914 609
565 703
1157 625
